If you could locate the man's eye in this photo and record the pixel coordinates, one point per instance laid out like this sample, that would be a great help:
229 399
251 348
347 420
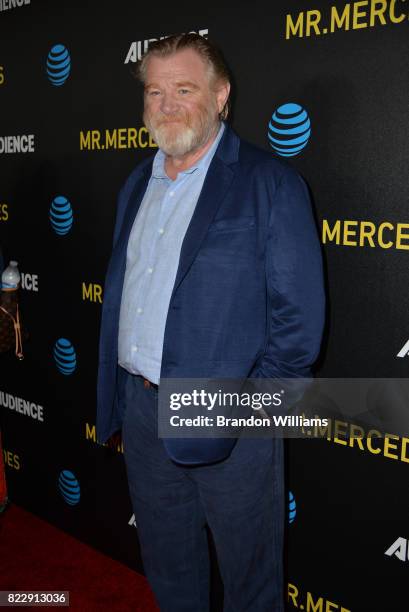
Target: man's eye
153 93
183 91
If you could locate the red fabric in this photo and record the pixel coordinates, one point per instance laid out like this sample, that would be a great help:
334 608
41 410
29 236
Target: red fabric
37 556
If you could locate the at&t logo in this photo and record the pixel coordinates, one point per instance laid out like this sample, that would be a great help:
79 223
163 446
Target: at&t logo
65 357
292 507
61 215
69 487
289 129
58 65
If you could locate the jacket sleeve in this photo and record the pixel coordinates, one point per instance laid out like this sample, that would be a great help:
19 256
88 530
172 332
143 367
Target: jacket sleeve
294 278
125 194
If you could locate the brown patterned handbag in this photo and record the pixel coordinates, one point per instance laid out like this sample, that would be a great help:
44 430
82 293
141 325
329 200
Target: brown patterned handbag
10 326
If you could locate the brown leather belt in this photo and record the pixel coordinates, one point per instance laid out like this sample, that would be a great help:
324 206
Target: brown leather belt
148 384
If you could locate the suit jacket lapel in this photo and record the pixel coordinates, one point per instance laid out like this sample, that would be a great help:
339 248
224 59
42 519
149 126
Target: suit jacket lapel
215 188
116 270
132 207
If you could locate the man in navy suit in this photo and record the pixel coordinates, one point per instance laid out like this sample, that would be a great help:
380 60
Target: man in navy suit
215 273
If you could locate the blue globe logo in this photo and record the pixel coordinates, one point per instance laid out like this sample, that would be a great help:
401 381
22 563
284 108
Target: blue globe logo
289 129
292 507
64 356
58 65
69 487
61 216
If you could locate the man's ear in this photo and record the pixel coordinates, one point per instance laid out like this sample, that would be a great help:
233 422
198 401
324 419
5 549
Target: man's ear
222 94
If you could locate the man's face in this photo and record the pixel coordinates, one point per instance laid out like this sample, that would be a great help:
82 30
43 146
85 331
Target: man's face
181 107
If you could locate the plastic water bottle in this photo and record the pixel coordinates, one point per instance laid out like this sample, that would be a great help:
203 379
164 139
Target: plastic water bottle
11 277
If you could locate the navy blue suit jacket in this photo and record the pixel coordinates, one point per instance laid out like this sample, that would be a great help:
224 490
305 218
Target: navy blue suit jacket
248 298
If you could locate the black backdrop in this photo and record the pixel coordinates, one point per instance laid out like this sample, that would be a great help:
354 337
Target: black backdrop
353 82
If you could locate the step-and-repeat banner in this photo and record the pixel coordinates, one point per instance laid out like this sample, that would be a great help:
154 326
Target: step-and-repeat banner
322 85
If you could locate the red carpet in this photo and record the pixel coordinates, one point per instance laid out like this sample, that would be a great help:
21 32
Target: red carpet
36 556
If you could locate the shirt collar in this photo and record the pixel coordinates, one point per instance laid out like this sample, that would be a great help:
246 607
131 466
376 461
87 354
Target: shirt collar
158 167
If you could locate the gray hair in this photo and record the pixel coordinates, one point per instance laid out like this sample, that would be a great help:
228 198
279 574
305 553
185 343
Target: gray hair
203 47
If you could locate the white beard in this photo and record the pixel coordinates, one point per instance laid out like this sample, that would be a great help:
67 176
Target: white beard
179 139
174 143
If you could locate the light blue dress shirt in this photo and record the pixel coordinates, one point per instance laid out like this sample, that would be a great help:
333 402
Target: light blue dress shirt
152 261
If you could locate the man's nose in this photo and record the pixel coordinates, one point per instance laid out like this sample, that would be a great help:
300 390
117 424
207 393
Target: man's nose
169 104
